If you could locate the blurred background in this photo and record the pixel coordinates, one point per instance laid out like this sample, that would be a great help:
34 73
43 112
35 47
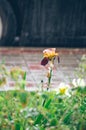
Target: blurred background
43 23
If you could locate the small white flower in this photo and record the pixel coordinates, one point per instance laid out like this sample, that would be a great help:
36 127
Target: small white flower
64 89
74 82
79 83
83 58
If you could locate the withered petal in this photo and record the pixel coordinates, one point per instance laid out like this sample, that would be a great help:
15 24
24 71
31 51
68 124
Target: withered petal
44 61
58 59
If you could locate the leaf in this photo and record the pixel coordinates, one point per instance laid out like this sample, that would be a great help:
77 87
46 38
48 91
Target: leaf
47 103
17 126
67 118
53 122
24 76
21 128
39 118
23 97
41 128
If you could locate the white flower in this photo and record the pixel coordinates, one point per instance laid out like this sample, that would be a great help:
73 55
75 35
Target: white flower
79 83
83 58
74 82
64 89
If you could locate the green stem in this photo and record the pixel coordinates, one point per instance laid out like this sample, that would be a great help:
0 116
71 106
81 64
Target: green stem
49 82
49 79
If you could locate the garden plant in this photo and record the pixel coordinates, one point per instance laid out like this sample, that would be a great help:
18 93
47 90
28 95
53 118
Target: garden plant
62 109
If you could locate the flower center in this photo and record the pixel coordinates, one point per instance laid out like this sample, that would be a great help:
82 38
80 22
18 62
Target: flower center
63 90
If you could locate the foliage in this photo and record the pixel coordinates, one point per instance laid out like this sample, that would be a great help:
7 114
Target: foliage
22 110
63 109
81 72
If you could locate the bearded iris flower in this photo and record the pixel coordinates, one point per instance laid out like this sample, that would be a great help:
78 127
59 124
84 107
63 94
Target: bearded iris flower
49 55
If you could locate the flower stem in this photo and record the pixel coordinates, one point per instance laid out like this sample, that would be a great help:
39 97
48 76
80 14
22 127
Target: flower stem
49 79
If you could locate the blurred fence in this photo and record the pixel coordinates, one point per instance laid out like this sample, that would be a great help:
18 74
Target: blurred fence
60 23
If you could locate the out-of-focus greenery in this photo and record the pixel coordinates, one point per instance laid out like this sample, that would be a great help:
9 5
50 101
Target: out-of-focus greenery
63 109
22 110
81 70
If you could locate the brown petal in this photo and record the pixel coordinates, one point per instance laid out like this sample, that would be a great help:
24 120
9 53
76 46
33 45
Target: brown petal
44 61
58 59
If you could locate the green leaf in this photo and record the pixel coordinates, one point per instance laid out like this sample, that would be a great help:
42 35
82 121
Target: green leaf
21 128
53 122
38 119
23 97
17 126
47 104
41 128
24 76
67 118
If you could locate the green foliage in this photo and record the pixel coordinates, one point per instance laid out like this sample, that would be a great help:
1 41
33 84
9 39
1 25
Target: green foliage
81 72
23 97
43 111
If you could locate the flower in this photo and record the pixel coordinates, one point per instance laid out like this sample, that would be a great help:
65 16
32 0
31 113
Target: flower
79 83
48 58
49 55
63 89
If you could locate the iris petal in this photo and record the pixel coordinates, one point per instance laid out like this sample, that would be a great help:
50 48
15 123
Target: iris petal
58 59
44 61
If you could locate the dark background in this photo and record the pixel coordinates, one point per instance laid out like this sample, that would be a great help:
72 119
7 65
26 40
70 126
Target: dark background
60 23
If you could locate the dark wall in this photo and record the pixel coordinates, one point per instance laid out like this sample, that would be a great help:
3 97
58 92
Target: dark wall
19 7
52 22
